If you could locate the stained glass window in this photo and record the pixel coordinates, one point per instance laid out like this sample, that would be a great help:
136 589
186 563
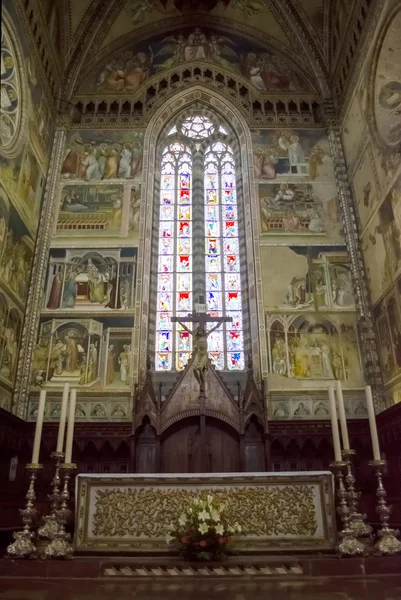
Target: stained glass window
223 282
222 285
174 285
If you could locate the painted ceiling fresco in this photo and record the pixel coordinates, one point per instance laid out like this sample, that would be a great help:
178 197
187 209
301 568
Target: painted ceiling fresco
264 70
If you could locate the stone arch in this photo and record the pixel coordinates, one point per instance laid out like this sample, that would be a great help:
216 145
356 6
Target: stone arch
198 94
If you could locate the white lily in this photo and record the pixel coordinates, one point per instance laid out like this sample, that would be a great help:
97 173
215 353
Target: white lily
219 529
203 528
209 499
215 515
238 527
183 520
169 538
204 515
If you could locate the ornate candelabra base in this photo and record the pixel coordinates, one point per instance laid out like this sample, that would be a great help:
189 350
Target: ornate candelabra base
51 526
349 544
60 546
357 521
24 545
388 542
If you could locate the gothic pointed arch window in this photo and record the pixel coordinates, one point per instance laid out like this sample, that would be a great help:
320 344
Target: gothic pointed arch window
199 241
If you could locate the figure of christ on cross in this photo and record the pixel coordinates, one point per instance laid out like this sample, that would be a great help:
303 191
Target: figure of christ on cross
201 360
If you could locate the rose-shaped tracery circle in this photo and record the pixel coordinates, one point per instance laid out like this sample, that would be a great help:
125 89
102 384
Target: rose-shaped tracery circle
11 94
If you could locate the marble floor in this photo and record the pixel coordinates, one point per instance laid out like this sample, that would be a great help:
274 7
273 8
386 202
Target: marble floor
377 588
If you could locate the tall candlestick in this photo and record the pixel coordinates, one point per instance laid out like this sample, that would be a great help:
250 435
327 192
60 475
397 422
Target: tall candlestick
334 425
38 429
341 414
372 423
63 416
70 427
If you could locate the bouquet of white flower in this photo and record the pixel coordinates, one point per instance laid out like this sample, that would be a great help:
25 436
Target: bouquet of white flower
203 531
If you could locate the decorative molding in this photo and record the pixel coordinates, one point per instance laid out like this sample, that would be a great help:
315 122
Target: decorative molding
38 274
348 208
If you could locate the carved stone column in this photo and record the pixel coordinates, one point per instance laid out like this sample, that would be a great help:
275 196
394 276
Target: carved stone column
38 274
366 331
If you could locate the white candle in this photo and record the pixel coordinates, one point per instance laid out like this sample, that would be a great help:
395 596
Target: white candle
341 414
39 426
70 427
334 425
372 423
63 416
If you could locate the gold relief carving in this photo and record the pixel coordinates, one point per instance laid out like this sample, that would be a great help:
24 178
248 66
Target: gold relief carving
273 511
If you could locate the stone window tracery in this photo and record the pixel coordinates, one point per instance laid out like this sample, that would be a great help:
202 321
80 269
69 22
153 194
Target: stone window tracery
181 193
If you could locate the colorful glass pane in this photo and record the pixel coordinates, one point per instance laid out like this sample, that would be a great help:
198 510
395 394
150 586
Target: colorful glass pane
184 228
166 212
236 322
183 282
234 340
184 212
166 245
230 212
184 263
165 264
166 229
212 228
182 359
184 301
231 246
231 228
211 197
213 281
184 245
214 300
229 197
232 263
163 361
217 359
232 281
211 181
185 181
164 282
184 197
212 213
212 246
233 300
167 197
164 301
183 341
235 361
167 182
213 264
215 341
163 321
228 181
163 341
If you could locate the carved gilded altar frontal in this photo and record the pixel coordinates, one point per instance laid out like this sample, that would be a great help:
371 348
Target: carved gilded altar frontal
276 512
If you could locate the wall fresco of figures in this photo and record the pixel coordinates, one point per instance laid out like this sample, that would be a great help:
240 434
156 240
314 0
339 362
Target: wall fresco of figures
371 136
263 69
95 280
26 125
90 354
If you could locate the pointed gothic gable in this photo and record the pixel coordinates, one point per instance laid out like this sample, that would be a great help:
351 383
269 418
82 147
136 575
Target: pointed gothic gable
184 399
145 404
254 402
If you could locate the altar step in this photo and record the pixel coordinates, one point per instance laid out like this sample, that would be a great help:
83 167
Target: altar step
246 568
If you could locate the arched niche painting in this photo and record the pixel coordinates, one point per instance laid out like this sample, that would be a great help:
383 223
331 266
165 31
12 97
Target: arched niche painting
304 348
91 280
15 257
10 331
84 352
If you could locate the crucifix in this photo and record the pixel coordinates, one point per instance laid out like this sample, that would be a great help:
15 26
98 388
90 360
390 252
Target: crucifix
201 359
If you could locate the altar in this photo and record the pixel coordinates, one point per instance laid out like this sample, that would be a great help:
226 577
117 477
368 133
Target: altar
277 511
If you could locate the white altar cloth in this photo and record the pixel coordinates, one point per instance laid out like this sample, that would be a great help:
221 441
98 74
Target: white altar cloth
277 511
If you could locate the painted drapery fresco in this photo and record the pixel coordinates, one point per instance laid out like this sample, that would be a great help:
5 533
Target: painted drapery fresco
373 157
305 263
26 127
91 281
87 353
262 68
